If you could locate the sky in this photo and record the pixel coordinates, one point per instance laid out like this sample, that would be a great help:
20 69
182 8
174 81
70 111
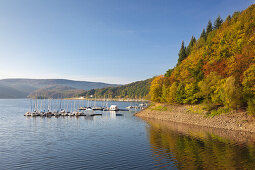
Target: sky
112 41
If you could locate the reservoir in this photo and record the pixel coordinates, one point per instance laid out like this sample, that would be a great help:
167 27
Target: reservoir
112 141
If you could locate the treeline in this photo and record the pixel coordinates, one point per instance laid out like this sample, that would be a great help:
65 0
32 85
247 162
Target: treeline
136 90
55 92
217 69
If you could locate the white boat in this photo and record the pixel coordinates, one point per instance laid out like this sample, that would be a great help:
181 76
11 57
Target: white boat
63 113
72 114
27 114
89 109
33 114
114 108
42 114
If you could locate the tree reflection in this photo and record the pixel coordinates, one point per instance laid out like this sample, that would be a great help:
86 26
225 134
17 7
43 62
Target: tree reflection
198 148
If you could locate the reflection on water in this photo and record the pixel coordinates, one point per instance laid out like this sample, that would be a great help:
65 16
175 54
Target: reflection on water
113 141
192 147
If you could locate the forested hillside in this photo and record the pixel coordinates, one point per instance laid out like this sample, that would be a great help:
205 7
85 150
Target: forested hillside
47 88
217 69
136 90
55 92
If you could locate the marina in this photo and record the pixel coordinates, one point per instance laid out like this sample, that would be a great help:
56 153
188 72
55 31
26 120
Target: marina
63 108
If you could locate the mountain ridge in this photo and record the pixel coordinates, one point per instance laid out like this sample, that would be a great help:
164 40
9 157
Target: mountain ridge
23 87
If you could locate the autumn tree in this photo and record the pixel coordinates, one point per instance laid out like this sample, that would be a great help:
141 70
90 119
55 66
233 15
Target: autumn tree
190 93
208 88
249 82
231 93
156 89
171 98
180 93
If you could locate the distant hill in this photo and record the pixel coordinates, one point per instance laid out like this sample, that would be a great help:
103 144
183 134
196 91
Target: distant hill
21 88
10 93
55 91
135 90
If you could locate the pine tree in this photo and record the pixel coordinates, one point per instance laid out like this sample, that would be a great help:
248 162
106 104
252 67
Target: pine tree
218 22
182 53
209 27
228 19
203 34
168 72
191 44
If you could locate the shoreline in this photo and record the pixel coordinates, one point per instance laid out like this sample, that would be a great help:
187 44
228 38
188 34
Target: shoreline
117 100
238 121
203 132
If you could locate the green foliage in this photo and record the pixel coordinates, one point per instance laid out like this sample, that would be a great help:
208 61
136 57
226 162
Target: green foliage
197 109
191 44
231 93
249 82
209 87
221 110
165 91
210 107
251 106
217 23
171 98
190 93
169 72
159 108
182 53
180 93
203 35
209 27
136 90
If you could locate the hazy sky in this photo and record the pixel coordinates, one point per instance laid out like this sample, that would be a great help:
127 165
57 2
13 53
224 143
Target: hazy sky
113 41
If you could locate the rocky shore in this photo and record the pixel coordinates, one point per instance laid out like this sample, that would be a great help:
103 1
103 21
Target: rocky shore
238 120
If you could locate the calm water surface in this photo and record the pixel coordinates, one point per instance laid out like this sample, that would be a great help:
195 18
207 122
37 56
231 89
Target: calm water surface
115 142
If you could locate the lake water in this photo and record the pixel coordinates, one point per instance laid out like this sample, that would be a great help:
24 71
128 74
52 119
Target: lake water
115 142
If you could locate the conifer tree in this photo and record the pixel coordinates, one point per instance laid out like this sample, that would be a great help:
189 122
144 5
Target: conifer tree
218 22
168 72
203 34
209 27
182 53
191 44
228 19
